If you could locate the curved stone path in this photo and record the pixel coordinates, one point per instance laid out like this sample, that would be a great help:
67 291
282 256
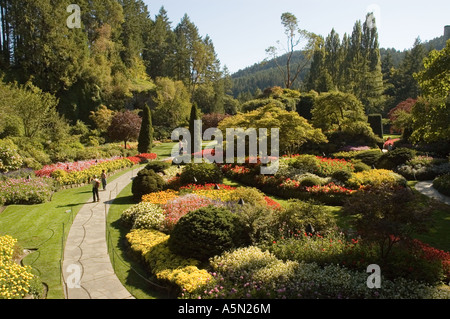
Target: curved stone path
87 271
426 188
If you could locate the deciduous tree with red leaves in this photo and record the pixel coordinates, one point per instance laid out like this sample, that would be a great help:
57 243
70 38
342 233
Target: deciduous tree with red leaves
125 126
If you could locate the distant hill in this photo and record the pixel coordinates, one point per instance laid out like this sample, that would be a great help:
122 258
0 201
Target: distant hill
266 74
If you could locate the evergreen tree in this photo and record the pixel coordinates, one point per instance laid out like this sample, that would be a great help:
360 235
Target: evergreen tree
145 140
159 53
196 138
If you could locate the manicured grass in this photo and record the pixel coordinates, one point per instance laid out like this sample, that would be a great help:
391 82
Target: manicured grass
45 227
163 150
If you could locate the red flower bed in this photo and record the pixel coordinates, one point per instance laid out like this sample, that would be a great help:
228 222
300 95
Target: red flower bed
194 187
79 166
329 189
141 158
434 254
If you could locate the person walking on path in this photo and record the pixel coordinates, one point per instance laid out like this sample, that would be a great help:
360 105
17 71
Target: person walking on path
95 186
103 177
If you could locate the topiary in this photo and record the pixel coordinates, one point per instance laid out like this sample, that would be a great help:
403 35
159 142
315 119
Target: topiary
342 176
202 173
158 166
306 163
370 157
359 166
311 181
397 157
146 182
206 232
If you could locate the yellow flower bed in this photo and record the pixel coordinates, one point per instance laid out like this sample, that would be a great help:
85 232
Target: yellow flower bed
153 247
14 279
376 178
160 198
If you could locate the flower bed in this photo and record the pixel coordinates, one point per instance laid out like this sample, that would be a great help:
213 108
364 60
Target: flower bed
375 178
24 191
251 273
15 280
268 260
179 272
81 174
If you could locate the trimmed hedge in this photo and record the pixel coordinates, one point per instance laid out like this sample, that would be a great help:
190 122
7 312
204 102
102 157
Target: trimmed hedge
205 233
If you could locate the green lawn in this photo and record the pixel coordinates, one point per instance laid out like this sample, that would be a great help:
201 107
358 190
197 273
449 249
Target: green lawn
44 228
163 150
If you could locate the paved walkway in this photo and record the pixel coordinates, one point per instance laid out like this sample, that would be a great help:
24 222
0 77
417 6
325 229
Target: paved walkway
87 269
426 188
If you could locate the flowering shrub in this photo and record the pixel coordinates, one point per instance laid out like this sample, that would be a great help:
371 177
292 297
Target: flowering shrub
178 207
10 160
432 254
15 280
24 191
143 215
328 166
318 165
376 178
246 273
166 266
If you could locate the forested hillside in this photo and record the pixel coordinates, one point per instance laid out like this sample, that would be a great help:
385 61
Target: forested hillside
251 81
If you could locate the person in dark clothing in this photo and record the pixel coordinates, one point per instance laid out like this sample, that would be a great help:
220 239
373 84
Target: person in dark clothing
95 186
103 177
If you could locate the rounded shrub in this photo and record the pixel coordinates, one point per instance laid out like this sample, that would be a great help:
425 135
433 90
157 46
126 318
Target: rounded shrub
158 166
205 233
342 176
398 156
203 173
306 163
360 166
311 181
370 157
146 182
442 184
143 215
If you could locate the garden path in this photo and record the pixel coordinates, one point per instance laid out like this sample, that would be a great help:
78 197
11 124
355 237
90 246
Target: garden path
426 188
87 269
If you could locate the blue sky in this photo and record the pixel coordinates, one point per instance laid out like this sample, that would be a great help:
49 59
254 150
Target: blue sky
242 30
